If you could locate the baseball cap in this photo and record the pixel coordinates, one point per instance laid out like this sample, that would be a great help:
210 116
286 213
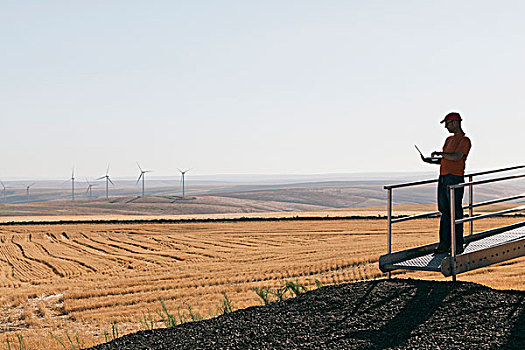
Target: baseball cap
451 116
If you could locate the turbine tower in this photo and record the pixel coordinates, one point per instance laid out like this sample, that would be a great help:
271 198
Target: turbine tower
142 172
107 181
73 184
182 179
88 192
27 191
3 190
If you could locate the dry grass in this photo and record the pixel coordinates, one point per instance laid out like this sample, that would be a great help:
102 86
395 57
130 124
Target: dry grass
80 278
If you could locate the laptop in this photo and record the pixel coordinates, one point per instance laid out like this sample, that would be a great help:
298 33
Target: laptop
427 158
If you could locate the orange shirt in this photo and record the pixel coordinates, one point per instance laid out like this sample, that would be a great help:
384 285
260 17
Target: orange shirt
455 143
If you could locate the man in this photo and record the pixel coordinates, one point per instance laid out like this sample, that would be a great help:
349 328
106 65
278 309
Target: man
452 171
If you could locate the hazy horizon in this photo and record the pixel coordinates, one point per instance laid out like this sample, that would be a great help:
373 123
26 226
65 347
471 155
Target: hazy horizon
235 178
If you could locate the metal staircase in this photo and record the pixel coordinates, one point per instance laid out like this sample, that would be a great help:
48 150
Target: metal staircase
481 249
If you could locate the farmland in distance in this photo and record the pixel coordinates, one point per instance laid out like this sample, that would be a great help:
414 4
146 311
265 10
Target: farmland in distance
80 278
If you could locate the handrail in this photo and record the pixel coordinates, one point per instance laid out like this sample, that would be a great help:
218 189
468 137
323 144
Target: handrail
494 201
424 182
471 219
407 184
416 216
453 220
481 182
475 205
488 215
496 170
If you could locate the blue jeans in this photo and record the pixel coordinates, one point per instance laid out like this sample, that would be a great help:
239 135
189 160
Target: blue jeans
444 208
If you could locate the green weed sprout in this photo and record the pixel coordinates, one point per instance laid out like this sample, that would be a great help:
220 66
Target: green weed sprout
169 320
280 292
114 332
194 316
58 339
147 323
226 306
295 287
263 293
79 345
21 343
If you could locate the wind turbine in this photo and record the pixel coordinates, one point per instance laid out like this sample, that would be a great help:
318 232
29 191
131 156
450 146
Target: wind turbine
73 184
89 188
182 179
3 190
27 191
142 172
107 181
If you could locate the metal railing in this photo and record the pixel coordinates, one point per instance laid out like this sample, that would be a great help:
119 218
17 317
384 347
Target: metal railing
453 220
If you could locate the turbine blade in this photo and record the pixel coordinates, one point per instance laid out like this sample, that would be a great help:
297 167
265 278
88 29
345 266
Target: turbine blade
111 181
139 178
139 166
107 170
100 178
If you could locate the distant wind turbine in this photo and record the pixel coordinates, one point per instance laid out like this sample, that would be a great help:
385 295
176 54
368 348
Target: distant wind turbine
142 172
182 179
73 184
107 181
3 190
89 188
27 191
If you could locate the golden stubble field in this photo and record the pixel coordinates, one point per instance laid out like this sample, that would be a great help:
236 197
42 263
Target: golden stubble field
80 278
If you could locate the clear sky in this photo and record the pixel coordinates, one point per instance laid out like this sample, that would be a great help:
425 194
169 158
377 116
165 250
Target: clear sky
253 87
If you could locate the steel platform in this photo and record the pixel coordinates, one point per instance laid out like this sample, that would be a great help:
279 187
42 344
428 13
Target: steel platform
481 249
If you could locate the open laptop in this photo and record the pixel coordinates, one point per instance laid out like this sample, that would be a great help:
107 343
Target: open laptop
427 158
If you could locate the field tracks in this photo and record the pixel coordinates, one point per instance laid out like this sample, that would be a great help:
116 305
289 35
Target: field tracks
118 272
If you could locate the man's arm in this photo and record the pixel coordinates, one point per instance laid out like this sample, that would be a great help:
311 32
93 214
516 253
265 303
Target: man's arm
454 156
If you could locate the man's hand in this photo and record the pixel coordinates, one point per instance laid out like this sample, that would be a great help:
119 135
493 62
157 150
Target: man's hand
430 161
454 156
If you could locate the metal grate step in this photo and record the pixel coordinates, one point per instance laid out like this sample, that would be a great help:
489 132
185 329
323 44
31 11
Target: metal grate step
481 250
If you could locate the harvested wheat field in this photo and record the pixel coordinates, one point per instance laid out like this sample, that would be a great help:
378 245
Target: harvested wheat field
83 280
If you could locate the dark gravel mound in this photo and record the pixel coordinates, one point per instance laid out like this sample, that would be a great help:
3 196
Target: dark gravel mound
385 314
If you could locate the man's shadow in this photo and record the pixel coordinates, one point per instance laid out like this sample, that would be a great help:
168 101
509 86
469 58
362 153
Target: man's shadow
397 330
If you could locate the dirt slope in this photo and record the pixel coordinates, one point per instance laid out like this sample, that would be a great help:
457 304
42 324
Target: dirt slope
383 314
